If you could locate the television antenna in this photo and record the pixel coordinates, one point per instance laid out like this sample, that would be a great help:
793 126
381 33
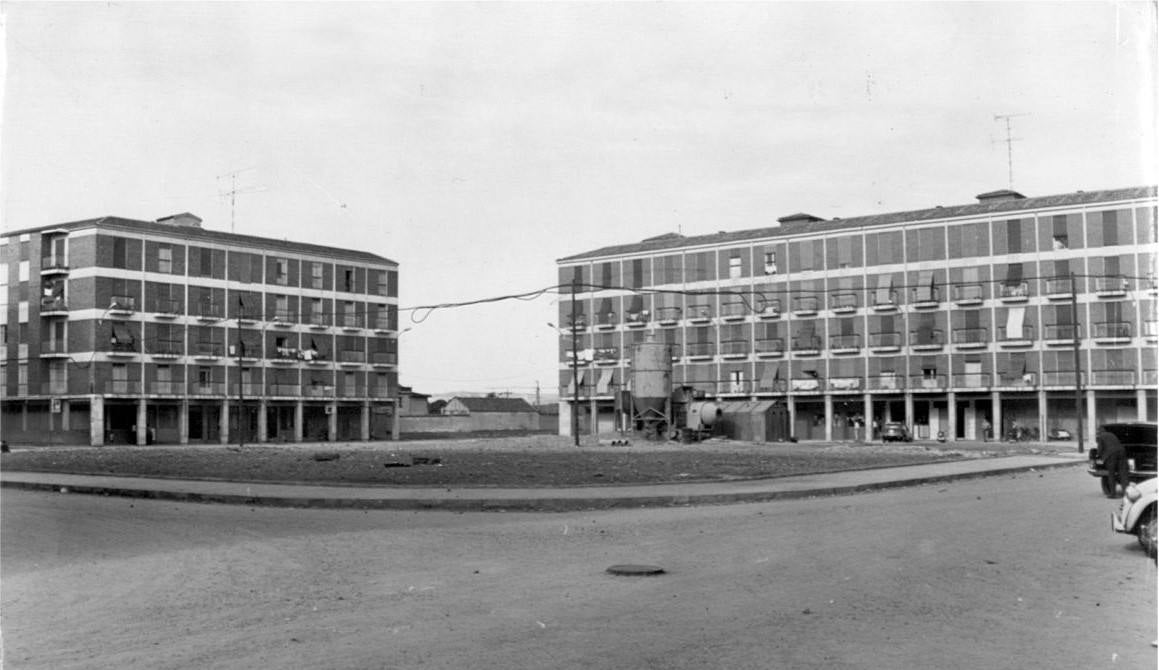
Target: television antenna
1010 140
234 191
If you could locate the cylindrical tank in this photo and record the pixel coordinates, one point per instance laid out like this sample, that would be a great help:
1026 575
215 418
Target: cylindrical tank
702 414
651 376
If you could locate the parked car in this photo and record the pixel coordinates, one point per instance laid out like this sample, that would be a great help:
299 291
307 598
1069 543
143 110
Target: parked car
1059 434
1136 515
1139 442
895 432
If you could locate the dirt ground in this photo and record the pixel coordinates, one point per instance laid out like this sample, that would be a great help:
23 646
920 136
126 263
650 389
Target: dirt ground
530 461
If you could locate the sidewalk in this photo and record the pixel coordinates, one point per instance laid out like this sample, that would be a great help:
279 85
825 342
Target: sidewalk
533 499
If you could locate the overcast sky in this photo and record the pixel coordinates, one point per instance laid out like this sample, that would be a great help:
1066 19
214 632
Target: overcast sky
475 144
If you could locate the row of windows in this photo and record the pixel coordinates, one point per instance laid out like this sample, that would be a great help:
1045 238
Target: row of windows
1048 233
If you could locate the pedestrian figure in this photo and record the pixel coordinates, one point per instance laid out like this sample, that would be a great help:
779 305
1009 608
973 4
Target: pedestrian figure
1114 458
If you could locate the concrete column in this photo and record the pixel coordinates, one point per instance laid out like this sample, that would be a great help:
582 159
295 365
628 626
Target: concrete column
952 416
96 421
1043 419
298 421
183 423
867 412
909 410
828 417
564 418
792 404
1140 404
65 416
223 422
395 421
142 422
263 422
996 414
332 422
594 419
364 422
1090 426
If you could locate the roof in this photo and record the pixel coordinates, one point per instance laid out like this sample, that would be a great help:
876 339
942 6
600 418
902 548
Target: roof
803 224
494 404
194 234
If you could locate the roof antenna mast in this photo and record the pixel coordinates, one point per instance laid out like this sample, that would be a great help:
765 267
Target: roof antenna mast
234 191
1010 140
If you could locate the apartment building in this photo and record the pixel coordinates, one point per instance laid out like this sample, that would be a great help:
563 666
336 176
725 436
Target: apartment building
120 331
961 321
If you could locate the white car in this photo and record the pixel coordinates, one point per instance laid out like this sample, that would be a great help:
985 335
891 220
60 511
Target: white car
1136 515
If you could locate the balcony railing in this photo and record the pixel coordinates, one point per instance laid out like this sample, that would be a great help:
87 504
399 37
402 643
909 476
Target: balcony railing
807 343
318 320
890 340
1061 331
53 265
351 356
116 347
927 382
355 391
772 386
924 296
167 306
1058 287
208 349
769 308
734 348
206 388
381 322
378 392
971 336
700 349
1014 292
733 310
384 358
637 319
845 383
54 347
351 321
284 390
1024 334
699 313
930 339
206 310
1008 380
166 388
55 387
742 386
1111 330
606 320
53 305
1151 329
885 383
845 342
970 380
122 386
1064 378
123 303
806 384
884 300
844 301
1112 285
969 293
1113 377
607 355
668 314
318 391
166 348
806 304
770 346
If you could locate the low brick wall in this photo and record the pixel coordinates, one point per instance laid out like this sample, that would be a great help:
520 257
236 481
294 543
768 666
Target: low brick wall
489 421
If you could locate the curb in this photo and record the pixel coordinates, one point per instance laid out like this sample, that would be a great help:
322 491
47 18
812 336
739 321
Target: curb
529 504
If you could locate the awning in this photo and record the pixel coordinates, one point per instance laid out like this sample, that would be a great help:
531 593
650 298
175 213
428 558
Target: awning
1014 319
605 381
925 288
769 376
571 384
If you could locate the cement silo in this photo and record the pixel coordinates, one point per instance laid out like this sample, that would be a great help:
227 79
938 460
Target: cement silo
652 387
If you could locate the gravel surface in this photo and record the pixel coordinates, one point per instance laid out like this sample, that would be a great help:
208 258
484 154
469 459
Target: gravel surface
532 461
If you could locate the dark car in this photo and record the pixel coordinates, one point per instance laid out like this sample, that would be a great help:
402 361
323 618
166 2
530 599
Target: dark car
895 432
1139 443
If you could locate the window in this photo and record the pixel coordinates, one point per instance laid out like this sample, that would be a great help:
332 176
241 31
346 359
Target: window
22 272
120 253
734 267
165 259
3 274
348 283
392 284
204 376
164 374
1059 238
770 262
206 264
316 275
383 284
281 307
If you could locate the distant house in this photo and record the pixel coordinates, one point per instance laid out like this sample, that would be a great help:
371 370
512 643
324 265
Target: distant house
412 403
436 406
460 406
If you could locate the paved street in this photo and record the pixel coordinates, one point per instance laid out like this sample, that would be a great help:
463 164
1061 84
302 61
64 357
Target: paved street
1002 572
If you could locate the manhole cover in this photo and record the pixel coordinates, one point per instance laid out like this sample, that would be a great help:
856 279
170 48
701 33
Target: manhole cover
636 570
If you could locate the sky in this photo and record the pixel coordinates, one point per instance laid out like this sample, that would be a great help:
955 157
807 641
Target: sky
477 143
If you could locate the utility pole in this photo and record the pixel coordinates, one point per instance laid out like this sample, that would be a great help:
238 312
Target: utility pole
240 377
575 362
1010 140
1078 373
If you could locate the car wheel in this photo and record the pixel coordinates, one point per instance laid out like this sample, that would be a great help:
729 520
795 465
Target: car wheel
1108 486
1145 531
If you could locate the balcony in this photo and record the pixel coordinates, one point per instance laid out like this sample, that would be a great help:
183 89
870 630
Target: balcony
207 388
607 355
845 344
1112 377
283 390
606 321
734 387
207 311
845 384
700 350
55 387
52 265
927 340
119 349
1022 337
166 348
208 350
318 391
123 387
1151 330
807 384
1114 286
1150 378
53 307
969 294
318 321
970 380
1062 333
1058 288
733 311
971 338
166 388
807 345
844 302
284 355
772 386
1019 292
806 305
668 316
769 309
770 347
283 318
885 342
351 356
884 301
734 349
1062 378
381 322
122 305
925 297
1006 380
166 308
352 392
927 382
350 322
54 349
378 391
383 358
1111 332
885 382
638 319
699 313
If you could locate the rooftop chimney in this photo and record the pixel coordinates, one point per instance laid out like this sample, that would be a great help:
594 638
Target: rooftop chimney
999 196
799 217
182 219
